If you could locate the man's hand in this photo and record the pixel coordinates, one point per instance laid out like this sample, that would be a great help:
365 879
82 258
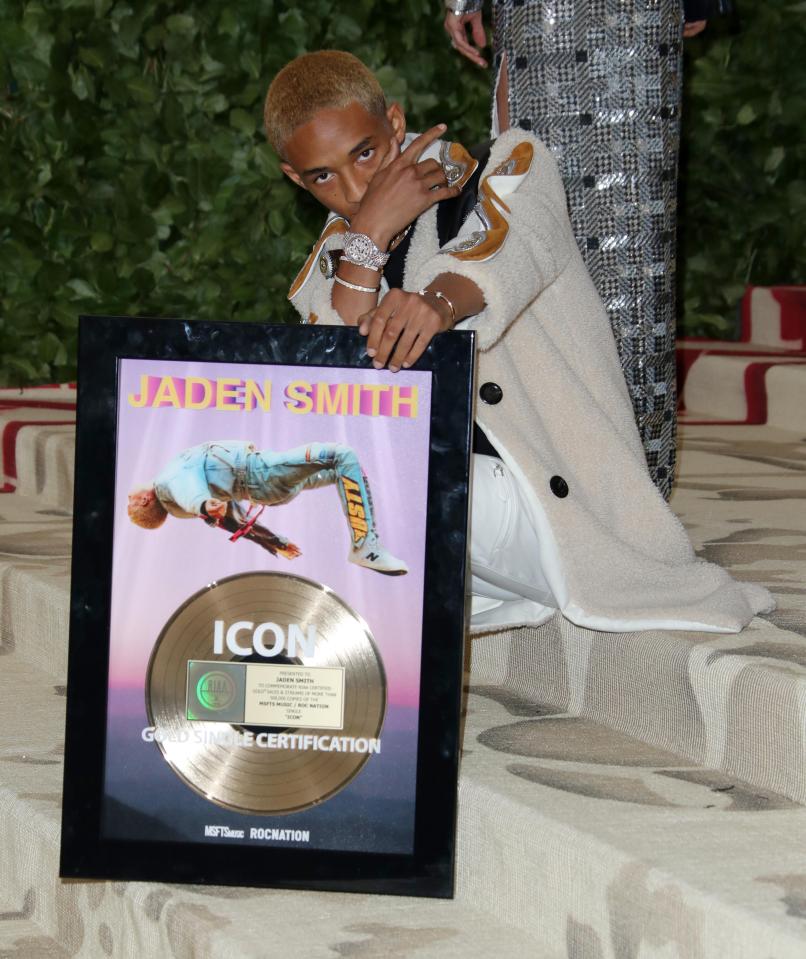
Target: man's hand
401 190
693 28
401 326
456 28
216 508
290 551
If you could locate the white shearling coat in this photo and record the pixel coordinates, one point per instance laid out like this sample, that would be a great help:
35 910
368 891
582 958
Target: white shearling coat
614 554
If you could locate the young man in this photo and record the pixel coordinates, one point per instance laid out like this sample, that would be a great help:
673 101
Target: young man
564 514
210 479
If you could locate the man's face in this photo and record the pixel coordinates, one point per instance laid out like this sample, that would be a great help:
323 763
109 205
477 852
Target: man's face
336 154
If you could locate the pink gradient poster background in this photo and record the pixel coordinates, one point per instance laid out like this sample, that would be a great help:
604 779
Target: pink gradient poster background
156 571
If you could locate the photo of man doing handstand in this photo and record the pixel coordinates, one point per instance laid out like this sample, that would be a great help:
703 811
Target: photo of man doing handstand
209 481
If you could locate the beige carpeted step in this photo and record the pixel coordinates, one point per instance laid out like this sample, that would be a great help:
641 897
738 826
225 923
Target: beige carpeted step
20 938
45 463
740 387
786 398
37 430
733 702
35 581
156 921
573 840
615 849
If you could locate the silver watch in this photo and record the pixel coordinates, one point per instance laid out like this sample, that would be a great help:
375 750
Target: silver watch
362 251
460 7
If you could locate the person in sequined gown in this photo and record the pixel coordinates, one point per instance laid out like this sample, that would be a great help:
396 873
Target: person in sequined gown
599 81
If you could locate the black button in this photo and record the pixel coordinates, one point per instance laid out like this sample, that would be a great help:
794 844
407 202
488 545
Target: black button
558 486
491 393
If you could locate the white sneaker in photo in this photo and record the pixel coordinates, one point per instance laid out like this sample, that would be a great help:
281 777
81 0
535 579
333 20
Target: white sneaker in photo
374 556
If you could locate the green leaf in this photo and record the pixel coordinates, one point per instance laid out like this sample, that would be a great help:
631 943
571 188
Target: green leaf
216 103
82 83
180 23
142 89
243 121
82 289
102 242
746 115
774 159
92 57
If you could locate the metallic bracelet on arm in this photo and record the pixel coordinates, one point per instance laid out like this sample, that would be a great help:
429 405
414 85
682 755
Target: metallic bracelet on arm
356 286
439 295
460 7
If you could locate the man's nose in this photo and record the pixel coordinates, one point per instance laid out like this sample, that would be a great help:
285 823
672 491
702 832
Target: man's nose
354 187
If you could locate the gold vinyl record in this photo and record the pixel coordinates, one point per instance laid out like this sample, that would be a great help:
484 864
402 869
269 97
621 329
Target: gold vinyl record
266 693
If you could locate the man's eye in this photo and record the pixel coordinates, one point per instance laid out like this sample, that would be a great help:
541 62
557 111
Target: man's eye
366 154
322 178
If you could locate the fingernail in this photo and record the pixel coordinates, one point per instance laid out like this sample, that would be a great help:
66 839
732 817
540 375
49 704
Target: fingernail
442 126
377 365
394 369
371 352
406 366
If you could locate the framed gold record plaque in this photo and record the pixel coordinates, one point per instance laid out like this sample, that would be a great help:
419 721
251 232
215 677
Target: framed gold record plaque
266 641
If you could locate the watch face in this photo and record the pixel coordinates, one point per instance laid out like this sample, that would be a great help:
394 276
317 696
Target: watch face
361 247
324 264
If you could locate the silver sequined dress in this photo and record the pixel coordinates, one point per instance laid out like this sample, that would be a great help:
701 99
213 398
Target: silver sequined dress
599 82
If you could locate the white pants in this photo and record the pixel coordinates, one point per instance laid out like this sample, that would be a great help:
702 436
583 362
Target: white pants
507 585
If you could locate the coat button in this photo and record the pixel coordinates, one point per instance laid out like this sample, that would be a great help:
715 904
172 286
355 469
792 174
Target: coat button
491 393
558 486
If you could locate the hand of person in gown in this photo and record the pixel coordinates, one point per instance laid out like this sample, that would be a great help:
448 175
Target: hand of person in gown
464 28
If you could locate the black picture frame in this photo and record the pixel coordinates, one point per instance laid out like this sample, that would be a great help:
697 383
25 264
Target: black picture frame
85 851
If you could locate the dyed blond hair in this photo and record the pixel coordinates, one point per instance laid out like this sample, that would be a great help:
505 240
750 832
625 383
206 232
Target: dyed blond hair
326 79
150 516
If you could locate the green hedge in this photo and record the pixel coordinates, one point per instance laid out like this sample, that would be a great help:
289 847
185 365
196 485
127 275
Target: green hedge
743 159
134 177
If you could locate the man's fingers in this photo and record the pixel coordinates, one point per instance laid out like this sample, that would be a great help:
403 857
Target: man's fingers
373 324
418 144
431 173
403 346
440 193
477 29
453 27
417 349
434 182
470 52
428 166
693 27
391 154
456 28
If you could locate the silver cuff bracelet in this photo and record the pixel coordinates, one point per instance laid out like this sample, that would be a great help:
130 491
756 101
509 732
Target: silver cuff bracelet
460 7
